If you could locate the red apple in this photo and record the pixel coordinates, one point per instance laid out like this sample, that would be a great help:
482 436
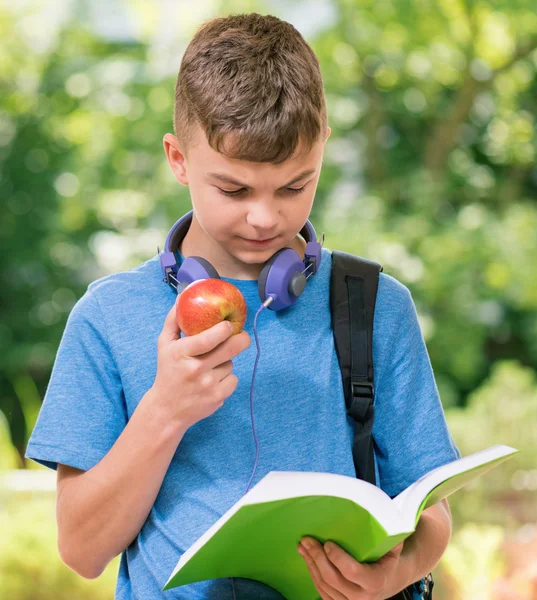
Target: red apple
206 302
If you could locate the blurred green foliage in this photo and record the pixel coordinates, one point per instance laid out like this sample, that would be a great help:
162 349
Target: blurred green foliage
502 411
474 561
8 454
30 566
430 170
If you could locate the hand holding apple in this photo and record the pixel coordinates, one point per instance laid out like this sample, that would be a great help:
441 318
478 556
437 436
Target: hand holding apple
194 373
206 302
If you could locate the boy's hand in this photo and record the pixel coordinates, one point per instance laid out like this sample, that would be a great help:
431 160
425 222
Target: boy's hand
338 576
194 373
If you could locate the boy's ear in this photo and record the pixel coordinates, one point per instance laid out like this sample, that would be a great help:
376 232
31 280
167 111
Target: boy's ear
328 132
175 157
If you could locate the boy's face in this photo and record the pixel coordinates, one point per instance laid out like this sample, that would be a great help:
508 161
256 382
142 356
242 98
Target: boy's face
235 201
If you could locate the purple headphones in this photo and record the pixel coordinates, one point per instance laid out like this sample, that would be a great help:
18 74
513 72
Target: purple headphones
283 277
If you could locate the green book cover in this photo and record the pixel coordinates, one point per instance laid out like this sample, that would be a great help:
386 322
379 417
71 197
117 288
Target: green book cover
257 538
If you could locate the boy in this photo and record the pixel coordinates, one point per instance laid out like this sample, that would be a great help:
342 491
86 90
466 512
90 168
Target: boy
150 432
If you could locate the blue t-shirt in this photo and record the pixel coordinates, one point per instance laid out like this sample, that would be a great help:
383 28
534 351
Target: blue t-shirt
107 360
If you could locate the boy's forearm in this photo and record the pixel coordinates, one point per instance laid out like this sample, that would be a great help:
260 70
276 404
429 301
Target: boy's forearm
100 512
424 548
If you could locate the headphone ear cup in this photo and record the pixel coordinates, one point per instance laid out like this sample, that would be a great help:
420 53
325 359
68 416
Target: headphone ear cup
211 271
195 267
283 277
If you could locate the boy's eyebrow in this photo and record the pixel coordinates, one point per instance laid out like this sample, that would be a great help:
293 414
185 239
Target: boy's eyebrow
227 179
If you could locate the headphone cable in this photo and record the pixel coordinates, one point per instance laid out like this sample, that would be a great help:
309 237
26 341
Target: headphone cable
265 304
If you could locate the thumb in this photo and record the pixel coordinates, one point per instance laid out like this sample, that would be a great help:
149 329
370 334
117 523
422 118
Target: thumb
170 329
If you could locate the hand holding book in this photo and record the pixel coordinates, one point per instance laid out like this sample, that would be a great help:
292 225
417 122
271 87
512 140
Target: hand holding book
337 574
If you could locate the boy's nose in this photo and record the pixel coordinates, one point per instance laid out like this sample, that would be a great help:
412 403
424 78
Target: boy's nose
263 219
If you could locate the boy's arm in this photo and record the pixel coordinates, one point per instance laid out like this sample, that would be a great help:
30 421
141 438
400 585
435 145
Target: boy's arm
101 511
423 550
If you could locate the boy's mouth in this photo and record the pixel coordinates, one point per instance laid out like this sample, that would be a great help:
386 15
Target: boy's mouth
260 243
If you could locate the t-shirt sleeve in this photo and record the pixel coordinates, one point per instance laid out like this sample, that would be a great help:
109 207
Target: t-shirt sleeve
84 411
410 431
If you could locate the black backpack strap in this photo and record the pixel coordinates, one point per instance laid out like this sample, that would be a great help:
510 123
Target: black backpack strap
353 293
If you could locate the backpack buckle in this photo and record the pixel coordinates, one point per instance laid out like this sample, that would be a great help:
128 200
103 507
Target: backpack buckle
362 389
361 400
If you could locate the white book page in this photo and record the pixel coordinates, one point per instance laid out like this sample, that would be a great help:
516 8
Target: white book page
409 500
279 485
293 484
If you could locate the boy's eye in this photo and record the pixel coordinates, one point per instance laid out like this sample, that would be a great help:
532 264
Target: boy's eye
296 190
232 192
242 190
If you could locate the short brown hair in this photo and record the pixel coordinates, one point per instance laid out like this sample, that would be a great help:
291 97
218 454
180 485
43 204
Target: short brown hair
254 86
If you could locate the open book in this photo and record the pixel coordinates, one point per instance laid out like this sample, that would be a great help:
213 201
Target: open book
257 538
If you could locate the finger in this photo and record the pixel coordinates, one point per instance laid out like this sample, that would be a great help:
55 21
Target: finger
201 343
349 568
223 370
325 590
329 574
368 576
170 329
316 578
225 351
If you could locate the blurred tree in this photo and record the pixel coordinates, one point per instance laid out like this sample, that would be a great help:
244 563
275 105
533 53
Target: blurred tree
429 169
81 123
432 109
